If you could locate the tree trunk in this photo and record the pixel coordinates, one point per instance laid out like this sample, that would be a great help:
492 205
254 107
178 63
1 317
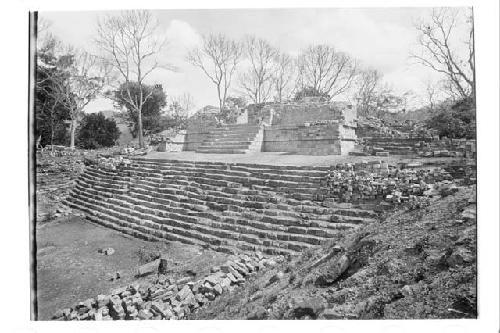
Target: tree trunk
139 123
72 134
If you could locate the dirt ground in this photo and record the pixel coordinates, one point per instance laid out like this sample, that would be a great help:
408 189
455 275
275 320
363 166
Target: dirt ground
70 268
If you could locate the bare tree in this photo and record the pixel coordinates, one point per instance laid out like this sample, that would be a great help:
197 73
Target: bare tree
368 84
43 26
283 75
131 45
182 104
438 50
82 80
257 80
431 93
326 70
217 58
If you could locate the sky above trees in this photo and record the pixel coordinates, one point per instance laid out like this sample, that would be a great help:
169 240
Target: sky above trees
380 38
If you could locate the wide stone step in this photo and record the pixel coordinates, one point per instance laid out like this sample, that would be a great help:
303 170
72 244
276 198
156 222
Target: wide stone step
196 234
271 219
224 143
142 232
245 178
231 136
276 169
260 179
215 196
234 130
215 146
243 206
221 151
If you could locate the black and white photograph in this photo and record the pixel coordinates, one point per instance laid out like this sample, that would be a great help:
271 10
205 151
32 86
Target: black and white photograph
250 163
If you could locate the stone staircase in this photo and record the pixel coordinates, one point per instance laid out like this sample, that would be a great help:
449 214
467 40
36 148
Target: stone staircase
226 207
233 139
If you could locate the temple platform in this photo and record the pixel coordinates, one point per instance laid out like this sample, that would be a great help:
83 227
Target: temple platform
276 158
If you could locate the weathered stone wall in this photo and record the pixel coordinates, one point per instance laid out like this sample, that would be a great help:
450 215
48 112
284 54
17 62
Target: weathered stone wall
173 143
298 113
329 138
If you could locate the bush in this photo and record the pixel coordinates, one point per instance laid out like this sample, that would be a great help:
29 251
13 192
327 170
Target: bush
96 131
457 121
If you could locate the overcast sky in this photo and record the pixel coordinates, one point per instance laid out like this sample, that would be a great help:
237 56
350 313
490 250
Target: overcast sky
379 37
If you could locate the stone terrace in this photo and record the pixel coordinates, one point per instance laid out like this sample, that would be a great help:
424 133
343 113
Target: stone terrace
227 207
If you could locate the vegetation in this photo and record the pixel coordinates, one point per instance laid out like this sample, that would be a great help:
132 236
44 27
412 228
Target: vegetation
97 131
67 79
455 121
130 46
151 110
50 114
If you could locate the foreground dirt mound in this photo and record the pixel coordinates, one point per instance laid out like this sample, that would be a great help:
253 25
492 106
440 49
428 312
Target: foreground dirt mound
413 264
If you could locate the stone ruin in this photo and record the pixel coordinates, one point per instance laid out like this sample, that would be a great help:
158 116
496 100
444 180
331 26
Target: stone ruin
257 214
382 138
307 128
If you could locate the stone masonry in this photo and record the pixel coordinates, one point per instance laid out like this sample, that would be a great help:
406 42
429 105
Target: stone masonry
308 128
228 207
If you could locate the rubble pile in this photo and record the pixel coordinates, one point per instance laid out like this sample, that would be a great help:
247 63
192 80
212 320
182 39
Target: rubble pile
383 138
55 176
111 163
351 183
375 127
165 298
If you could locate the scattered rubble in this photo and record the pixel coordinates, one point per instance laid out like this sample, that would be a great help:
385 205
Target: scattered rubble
355 183
164 298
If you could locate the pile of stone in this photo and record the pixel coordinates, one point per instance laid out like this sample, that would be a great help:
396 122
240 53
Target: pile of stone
375 127
347 184
166 298
448 148
57 151
111 163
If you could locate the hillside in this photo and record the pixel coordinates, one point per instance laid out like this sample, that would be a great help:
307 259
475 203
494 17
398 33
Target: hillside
412 264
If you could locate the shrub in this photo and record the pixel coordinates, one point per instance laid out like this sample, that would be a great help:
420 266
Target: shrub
96 131
457 121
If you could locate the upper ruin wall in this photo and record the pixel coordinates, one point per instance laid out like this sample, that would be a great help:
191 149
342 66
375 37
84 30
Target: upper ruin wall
302 112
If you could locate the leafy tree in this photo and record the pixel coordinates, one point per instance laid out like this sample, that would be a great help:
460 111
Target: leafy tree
151 108
97 131
50 113
456 121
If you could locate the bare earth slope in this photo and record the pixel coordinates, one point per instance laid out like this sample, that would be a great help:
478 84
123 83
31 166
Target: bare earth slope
413 264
